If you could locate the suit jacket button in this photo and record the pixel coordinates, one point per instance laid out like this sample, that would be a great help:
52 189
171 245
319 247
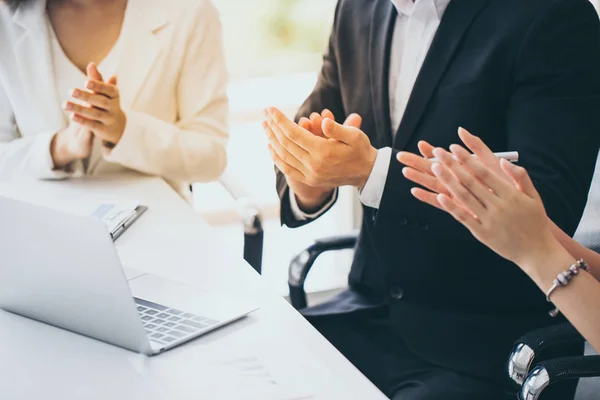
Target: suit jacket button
403 221
424 227
397 293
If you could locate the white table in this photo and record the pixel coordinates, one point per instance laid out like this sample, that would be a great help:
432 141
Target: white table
271 355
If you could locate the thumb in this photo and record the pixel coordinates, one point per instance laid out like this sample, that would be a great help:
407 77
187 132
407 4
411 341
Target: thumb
354 120
333 130
520 177
93 73
112 80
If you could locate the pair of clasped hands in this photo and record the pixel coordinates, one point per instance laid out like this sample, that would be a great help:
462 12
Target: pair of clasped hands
494 199
95 111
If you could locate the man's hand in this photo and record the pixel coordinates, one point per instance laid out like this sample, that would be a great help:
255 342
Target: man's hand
102 112
71 144
418 169
309 198
344 156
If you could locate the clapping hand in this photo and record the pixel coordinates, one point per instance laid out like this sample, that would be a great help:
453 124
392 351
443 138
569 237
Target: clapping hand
309 197
343 156
418 168
98 107
71 144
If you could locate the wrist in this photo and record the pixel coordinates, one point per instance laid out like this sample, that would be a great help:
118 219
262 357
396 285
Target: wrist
311 199
58 153
543 267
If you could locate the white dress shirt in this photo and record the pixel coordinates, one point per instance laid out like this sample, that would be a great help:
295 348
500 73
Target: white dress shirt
67 76
416 26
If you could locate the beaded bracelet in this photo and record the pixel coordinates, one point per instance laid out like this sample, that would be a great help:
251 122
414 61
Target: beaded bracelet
563 279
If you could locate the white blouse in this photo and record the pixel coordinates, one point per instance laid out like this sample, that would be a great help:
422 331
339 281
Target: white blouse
67 76
172 84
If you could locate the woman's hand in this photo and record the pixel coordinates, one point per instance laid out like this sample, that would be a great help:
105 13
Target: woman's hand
418 169
71 144
101 110
508 217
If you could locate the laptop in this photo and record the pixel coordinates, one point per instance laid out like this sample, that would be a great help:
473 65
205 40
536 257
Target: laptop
63 270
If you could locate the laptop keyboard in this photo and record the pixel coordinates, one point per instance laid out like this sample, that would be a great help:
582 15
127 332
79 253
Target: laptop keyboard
166 325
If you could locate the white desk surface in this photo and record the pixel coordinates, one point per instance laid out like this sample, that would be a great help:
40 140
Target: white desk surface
271 355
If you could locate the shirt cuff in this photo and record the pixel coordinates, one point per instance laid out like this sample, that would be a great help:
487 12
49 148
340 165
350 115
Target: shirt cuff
301 215
372 193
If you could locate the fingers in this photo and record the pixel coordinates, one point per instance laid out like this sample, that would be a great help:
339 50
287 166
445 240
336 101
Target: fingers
305 123
102 88
285 168
304 139
414 161
92 99
484 174
425 149
353 120
316 120
460 190
521 178
344 134
424 179
92 113
460 182
93 73
96 127
112 80
426 197
478 147
284 155
327 114
460 214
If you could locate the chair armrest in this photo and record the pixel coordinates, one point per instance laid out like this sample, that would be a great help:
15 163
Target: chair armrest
301 264
531 345
550 372
249 215
246 206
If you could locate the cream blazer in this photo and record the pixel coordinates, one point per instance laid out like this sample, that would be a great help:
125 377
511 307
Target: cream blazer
173 84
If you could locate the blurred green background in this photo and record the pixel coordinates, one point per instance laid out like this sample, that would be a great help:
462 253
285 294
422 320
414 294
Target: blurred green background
273 37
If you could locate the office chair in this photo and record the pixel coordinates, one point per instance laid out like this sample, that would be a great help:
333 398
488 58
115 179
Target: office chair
249 214
301 264
533 381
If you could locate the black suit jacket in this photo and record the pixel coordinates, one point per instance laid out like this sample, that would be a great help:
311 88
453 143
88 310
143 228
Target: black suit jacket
521 74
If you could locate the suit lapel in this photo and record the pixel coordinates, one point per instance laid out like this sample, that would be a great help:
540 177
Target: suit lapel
383 21
141 47
454 25
34 61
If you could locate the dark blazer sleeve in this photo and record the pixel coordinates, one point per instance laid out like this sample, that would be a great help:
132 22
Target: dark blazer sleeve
325 95
553 112
553 115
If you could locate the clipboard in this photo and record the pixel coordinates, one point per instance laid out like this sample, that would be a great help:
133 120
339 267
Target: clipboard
119 217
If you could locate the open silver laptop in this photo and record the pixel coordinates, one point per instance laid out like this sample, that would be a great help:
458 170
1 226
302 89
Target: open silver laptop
63 270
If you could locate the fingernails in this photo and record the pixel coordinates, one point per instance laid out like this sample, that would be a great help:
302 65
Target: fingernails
69 107
76 93
90 85
454 147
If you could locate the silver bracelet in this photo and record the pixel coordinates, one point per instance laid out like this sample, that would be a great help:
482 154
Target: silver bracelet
563 279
